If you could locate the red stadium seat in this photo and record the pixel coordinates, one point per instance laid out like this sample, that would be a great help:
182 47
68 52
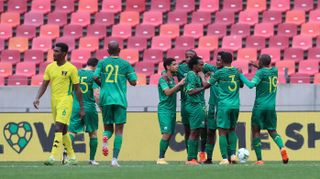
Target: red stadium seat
80 56
142 79
143 30
136 5
177 54
310 29
209 43
70 41
89 43
254 5
316 79
80 18
41 6
256 42
95 30
153 55
64 6
78 65
10 18
303 42
139 43
243 64
16 80
185 5
1 44
1 78
102 53
35 56
74 31
279 5
305 5
49 56
242 30
263 30
113 6
247 54
297 17
281 42
294 54
122 31
109 39
27 69
90 6
286 64
131 55
193 30
41 43
314 53
58 18
273 17
33 18
5 69
37 80
232 5
309 67
1 6
146 68
200 17
300 78
154 79
5 31
275 53
232 42
160 5
314 16
43 67
18 43
225 17
184 42
209 6
219 30
177 17
10 56
19 6
104 18
153 18
131 18
160 68
248 17
50 31
161 43
169 30
203 53
288 30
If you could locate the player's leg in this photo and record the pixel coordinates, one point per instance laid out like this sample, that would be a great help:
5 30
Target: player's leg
108 121
167 120
93 143
91 126
185 122
211 133
203 141
193 143
223 124
257 119
57 141
232 136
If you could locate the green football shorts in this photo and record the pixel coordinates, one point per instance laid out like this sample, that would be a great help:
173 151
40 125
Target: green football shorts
196 115
212 120
114 114
167 121
227 118
89 123
264 119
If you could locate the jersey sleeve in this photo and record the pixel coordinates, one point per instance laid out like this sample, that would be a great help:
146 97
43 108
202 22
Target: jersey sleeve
74 76
213 79
163 84
46 75
191 78
97 72
209 68
131 74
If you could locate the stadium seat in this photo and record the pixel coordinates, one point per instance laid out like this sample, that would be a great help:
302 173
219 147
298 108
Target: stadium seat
70 41
113 6
89 43
5 31
288 30
264 30
161 43
153 18
122 31
78 65
209 6
131 18
275 53
5 69
177 17
136 5
314 53
255 42
41 6
10 56
10 18
160 5
297 17
232 5
27 69
109 39
64 6
247 54
300 78
160 68
143 30
139 43
58 18
219 30
242 30
80 18
16 80
232 42
294 54
90 6
286 64
169 30
281 42
303 42
102 53
309 67
305 5
200 17
273 17
254 5
50 31
248 17
142 79
243 64
193 30
131 55
36 80
42 67
185 5
18 43
49 55
154 79
316 79
96 30
1 78
184 42
1 6
279 5
41 43
203 53
177 54
74 31
224 17
80 56
2 44
35 56
19 6
310 29
104 18
33 18
153 55
209 43
146 68
314 16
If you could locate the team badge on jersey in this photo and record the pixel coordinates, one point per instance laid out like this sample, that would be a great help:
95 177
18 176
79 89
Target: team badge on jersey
64 73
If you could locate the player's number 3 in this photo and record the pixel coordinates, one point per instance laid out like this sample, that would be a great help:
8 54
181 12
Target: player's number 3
112 71
83 85
235 86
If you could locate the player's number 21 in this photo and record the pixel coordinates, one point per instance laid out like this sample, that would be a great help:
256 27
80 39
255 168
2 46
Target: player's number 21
112 71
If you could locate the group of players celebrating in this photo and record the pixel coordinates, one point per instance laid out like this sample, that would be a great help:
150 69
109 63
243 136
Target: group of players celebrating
224 81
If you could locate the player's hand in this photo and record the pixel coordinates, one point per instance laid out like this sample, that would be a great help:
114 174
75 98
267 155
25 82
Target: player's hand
201 74
181 83
36 103
240 70
208 74
254 63
82 113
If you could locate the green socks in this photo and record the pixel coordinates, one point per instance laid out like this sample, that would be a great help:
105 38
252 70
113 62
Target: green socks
277 139
163 147
108 134
233 142
209 150
192 149
117 145
257 147
203 141
93 147
223 146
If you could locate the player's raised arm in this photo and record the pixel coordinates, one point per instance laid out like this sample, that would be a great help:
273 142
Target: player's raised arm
171 68
41 91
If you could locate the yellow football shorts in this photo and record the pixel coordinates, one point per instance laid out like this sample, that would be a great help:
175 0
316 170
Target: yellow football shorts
62 109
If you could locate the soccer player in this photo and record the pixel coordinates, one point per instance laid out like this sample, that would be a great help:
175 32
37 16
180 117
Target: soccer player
114 73
263 113
228 81
89 124
167 90
63 78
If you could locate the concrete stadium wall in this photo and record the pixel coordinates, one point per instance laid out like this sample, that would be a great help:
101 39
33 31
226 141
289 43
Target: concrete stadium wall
302 97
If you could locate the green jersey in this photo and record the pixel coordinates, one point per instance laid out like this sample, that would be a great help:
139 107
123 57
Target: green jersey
87 85
228 83
193 81
114 73
166 102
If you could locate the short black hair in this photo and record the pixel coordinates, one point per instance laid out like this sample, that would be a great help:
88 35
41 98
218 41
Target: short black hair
167 62
64 47
192 51
226 57
265 59
92 62
220 53
193 61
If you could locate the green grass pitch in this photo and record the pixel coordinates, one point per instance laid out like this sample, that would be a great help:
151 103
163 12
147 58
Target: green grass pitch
306 170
